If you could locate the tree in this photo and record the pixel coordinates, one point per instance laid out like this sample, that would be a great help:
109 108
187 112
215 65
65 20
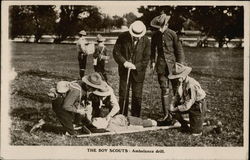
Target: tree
220 22
176 12
130 17
107 22
117 21
32 20
75 18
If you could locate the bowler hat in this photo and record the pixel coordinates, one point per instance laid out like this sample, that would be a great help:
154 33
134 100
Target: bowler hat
180 71
94 80
137 29
160 21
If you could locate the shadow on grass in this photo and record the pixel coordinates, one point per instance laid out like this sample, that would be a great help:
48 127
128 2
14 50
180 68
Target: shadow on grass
34 96
34 114
47 128
45 74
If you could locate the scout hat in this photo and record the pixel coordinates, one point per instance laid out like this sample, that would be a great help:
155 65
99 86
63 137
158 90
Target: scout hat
106 91
137 29
180 71
94 80
62 86
100 38
82 32
160 21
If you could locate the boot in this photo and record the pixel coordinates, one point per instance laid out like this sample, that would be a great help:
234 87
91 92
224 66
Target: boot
167 121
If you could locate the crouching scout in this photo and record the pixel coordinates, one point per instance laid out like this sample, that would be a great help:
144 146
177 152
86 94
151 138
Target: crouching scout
70 101
189 98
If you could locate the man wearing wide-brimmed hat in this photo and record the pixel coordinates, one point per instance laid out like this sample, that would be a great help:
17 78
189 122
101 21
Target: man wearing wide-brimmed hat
169 50
82 52
100 56
72 98
189 98
132 51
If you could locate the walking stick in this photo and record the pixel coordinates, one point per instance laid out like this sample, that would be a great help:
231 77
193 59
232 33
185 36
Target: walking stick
127 87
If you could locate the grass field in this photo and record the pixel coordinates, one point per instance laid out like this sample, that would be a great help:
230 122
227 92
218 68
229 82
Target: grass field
39 66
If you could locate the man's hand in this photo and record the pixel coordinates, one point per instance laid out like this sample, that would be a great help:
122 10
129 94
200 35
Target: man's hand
81 111
108 117
172 108
129 65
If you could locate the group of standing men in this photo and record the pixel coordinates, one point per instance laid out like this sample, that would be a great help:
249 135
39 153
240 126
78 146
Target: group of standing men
132 52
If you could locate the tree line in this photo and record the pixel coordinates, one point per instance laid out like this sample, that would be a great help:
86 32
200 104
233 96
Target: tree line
219 22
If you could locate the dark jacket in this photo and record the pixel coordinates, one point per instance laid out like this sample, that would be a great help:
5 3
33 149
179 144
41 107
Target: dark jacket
139 55
168 48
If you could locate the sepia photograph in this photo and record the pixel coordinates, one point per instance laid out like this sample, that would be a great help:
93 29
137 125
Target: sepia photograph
124 80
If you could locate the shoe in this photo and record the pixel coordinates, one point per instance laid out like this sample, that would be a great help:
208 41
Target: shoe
197 134
168 121
67 134
218 128
77 127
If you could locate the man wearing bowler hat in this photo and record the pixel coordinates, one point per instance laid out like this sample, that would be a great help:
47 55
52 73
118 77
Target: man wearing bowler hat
169 51
132 52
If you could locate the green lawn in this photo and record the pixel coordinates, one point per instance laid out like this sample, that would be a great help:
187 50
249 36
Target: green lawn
39 66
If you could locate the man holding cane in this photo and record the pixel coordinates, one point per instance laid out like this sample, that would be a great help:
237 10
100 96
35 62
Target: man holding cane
132 54
169 51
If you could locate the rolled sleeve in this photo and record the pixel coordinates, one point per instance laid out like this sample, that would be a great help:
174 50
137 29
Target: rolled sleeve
114 103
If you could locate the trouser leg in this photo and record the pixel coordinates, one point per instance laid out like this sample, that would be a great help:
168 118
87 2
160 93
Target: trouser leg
139 121
196 118
178 116
82 64
123 89
65 117
165 93
136 98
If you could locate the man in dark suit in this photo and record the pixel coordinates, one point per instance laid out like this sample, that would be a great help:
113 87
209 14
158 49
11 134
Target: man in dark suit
169 50
132 51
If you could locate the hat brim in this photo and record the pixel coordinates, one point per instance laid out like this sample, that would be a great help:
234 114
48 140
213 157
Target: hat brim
101 86
101 40
102 94
182 74
153 22
137 35
62 90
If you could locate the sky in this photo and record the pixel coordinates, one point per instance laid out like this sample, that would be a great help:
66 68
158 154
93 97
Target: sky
119 9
